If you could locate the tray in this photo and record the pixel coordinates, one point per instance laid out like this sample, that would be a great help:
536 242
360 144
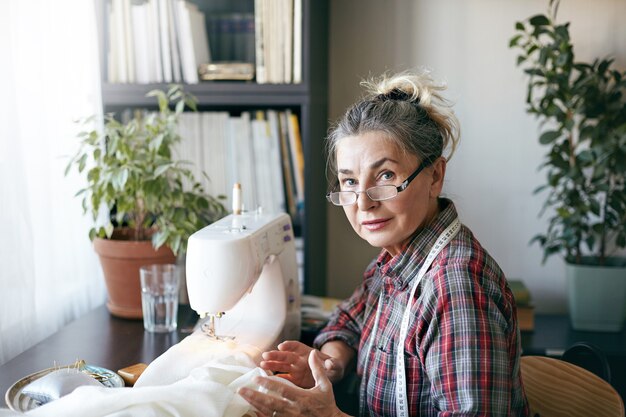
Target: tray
17 401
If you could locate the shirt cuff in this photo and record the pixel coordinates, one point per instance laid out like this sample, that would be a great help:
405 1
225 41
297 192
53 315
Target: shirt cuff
348 338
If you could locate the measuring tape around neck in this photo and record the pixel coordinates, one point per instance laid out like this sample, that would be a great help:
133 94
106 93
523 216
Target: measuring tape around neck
444 238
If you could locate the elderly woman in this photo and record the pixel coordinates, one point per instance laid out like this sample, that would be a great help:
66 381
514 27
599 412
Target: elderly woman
432 327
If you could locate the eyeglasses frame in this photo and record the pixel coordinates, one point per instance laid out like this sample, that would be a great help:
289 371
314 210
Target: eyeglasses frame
403 186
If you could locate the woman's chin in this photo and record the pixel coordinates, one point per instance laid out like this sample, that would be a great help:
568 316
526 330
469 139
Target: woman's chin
376 239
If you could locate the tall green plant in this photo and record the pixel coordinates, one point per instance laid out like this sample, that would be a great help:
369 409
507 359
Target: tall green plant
131 170
582 108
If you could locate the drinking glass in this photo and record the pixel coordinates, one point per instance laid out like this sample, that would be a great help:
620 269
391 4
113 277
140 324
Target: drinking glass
159 297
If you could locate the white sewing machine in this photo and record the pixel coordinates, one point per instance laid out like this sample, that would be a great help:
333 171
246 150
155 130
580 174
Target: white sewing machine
242 275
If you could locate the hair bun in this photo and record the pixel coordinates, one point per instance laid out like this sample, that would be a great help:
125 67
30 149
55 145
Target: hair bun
395 94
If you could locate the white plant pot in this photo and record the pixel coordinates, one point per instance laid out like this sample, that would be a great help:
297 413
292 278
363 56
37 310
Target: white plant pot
597 297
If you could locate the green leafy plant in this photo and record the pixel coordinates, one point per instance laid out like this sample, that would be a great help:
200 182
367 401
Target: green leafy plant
131 172
583 110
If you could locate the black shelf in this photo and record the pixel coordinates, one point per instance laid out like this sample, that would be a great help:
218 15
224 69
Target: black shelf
212 93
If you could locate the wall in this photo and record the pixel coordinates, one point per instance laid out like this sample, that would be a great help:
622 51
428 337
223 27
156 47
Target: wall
493 173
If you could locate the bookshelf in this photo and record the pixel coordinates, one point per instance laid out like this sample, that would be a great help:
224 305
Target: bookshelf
307 99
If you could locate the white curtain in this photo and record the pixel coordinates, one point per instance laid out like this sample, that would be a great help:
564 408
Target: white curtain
49 72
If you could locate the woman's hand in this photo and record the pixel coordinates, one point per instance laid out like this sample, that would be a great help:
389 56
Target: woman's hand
318 401
291 360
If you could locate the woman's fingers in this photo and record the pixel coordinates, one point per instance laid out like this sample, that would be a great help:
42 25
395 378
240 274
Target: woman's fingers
282 389
276 366
294 346
282 361
287 400
300 349
264 403
287 357
319 372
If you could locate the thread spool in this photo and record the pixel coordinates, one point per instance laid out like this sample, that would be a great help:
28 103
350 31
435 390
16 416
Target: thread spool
237 198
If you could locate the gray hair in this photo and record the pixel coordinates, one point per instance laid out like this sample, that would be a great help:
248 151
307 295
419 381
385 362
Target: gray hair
409 109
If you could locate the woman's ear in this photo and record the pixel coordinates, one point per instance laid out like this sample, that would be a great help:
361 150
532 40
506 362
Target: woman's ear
437 177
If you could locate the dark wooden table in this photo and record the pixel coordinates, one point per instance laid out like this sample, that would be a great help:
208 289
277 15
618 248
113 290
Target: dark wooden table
100 339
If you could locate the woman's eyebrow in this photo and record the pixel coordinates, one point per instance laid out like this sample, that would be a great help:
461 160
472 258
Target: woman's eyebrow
374 165
381 161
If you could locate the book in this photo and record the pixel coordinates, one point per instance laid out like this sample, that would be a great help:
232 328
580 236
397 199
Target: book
297 41
520 292
241 158
164 37
226 71
225 36
287 41
297 155
290 187
261 156
216 156
316 311
174 43
154 40
523 301
209 166
248 36
185 42
201 48
128 40
238 46
259 42
278 182
141 44
526 318
118 71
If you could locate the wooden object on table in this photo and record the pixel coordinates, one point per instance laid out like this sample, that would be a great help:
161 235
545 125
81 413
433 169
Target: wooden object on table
556 388
130 374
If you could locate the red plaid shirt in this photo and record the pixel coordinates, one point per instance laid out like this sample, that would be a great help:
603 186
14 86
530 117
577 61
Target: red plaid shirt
463 346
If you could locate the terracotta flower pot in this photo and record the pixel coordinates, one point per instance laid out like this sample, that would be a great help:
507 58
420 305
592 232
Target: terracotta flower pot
121 260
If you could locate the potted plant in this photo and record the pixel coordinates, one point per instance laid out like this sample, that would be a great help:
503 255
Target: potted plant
582 108
151 200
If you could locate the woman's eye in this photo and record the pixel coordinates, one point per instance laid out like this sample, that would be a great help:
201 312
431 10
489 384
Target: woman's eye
348 182
387 176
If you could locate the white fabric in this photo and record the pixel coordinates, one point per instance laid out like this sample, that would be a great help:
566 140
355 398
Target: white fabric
196 377
208 391
49 273
192 352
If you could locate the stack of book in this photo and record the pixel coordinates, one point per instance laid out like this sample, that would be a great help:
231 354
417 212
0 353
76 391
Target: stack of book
278 41
232 37
156 41
261 150
316 311
525 309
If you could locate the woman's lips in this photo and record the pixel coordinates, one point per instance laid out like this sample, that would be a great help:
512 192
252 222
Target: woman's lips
373 225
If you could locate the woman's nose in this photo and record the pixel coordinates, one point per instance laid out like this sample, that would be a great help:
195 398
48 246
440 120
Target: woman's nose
364 201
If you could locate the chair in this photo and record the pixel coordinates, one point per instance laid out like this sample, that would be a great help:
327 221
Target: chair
556 388
590 357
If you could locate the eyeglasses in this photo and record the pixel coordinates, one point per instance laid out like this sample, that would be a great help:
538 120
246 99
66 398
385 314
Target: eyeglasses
377 193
